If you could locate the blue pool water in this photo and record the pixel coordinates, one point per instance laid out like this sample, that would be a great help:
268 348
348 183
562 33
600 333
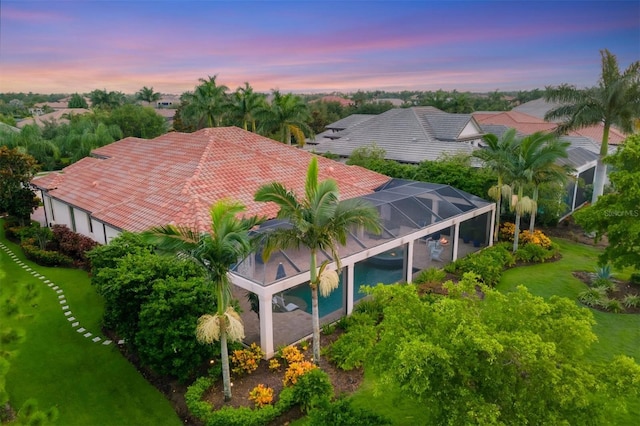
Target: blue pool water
365 273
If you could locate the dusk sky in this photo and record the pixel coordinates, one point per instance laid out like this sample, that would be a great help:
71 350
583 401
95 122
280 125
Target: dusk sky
72 46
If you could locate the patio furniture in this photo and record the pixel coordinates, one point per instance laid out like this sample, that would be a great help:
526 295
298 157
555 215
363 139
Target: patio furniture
281 305
435 250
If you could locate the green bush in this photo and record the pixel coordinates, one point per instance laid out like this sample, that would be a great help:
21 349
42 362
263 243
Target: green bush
371 308
632 301
342 413
312 389
193 397
635 278
431 275
44 257
593 296
605 283
613 305
352 348
533 253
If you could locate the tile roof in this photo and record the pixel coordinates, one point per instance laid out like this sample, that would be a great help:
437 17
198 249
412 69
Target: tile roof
56 115
408 135
523 123
134 183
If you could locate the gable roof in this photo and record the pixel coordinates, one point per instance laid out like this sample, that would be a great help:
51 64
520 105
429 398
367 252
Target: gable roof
523 123
539 107
408 135
134 183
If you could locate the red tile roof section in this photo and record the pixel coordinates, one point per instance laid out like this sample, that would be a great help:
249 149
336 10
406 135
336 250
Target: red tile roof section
528 124
136 183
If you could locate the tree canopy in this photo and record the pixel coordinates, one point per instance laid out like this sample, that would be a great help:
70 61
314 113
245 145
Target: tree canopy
617 215
16 171
479 356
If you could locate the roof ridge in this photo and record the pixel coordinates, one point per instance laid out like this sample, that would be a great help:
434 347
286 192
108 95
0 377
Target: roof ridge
421 124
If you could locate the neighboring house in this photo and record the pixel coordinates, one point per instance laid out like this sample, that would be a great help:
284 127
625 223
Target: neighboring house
57 116
332 98
168 101
134 184
396 102
539 107
61 104
408 135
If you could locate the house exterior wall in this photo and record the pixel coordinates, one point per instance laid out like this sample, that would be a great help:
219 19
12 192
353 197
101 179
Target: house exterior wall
469 130
82 222
61 213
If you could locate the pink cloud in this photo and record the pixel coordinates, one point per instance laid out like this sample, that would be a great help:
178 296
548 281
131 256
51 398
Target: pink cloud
13 14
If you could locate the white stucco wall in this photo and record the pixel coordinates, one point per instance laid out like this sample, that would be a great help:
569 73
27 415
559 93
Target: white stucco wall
82 223
61 214
469 130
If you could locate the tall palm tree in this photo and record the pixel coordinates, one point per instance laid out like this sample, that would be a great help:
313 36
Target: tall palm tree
535 156
207 105
320 221
287 116
148 95
246 104
497 156
226 243
615 101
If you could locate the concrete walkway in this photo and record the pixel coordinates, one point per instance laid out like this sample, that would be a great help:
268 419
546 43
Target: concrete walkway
66 310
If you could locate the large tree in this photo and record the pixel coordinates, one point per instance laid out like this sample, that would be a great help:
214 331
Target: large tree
617 215
77 101
226 243
101 99
533 161
320 222
479 357
615 101
138 121
148 95
497 156
16 171
207 105
246 105
285 117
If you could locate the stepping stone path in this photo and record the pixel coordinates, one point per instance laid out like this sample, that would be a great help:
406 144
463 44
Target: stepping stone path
61 297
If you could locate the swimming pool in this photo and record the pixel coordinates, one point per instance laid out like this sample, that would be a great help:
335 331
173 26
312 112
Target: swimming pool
365 273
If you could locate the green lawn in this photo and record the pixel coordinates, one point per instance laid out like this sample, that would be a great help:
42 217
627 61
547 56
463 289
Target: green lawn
617 333
89 383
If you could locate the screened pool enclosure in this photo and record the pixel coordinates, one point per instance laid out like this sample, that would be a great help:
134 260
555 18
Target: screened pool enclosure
424 225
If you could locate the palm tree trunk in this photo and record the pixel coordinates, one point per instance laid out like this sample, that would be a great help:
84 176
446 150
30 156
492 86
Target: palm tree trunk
315 314
496 231
532 221
601 168
224 354
598 181
516 233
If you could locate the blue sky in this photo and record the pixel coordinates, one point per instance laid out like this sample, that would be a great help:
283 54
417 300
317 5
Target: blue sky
310 46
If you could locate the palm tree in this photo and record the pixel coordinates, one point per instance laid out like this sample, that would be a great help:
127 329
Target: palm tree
246 104
148 95
287 116
227 242
101 99
320 221
547 171
497 156
207 105
615 101
535 157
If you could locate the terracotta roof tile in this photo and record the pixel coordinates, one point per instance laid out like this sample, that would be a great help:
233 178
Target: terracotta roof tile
135 183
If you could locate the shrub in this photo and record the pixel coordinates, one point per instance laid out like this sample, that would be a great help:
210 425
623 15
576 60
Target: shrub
635 278
313 388
261 395
370 308
193 397
328 329
304 345
274 364
604 272
431 275
342 413
44 257
295 370
593 296
291 354
533 253
613 305
73 244
632 301
605 283
537 237
246 361
351 349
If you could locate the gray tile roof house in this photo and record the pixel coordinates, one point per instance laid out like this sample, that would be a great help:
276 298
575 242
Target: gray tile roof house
408 135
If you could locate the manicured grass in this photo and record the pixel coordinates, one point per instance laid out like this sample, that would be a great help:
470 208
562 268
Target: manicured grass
618 334
89 383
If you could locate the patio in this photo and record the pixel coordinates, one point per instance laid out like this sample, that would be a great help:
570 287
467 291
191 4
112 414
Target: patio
424 225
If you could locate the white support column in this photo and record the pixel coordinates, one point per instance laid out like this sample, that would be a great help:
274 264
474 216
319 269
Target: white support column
409 262
456 236
575 192
266 325
492 221
350 287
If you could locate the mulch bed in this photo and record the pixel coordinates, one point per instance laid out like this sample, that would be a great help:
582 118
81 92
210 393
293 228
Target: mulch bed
622 290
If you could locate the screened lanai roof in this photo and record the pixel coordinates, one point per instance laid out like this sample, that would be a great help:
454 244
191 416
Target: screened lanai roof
404 207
